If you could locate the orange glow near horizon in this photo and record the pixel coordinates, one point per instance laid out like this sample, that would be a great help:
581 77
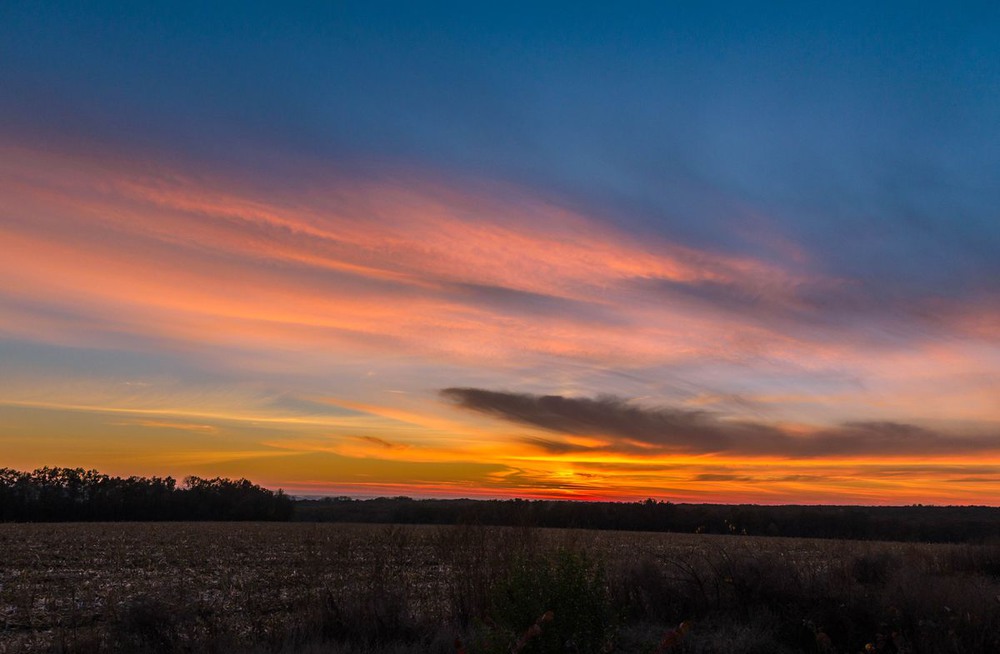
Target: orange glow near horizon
154 322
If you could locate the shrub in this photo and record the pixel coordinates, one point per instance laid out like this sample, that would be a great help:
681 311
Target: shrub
873 567
571 585
152 624
643 589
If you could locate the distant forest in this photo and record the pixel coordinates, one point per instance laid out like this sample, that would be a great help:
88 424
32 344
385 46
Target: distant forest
78 495
935 524
75 494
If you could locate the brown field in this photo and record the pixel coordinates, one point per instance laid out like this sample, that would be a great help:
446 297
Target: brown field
299 587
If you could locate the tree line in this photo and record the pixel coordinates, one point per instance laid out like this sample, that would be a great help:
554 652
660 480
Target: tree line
78 495
914 523
75 494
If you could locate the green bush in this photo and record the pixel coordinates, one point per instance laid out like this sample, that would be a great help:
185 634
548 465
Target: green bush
569 584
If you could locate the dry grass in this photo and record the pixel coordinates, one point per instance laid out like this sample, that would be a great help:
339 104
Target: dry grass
295 587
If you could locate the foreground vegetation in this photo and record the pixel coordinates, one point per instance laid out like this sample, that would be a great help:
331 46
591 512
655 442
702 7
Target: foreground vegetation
297 587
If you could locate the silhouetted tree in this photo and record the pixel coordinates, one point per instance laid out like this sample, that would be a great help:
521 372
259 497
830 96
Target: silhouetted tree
902 523
64 494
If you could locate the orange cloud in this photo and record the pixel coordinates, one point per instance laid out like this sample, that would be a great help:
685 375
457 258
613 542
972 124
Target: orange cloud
427 268
315 285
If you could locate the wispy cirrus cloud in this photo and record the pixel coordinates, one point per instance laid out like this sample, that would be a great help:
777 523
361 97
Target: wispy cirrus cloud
284 307
382 443
132 250
112 254
389 263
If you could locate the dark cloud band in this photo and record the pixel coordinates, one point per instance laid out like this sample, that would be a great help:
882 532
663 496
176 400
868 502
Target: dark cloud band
633 429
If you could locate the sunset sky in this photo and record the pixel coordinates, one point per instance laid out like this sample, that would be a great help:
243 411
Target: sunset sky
689 251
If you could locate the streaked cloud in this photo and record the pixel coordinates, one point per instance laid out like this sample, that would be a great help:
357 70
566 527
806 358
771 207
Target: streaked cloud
313 323
103 252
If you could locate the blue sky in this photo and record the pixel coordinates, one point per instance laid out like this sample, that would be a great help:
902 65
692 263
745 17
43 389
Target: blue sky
873 127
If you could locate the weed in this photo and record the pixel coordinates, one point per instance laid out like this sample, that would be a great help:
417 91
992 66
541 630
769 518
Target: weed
568 589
